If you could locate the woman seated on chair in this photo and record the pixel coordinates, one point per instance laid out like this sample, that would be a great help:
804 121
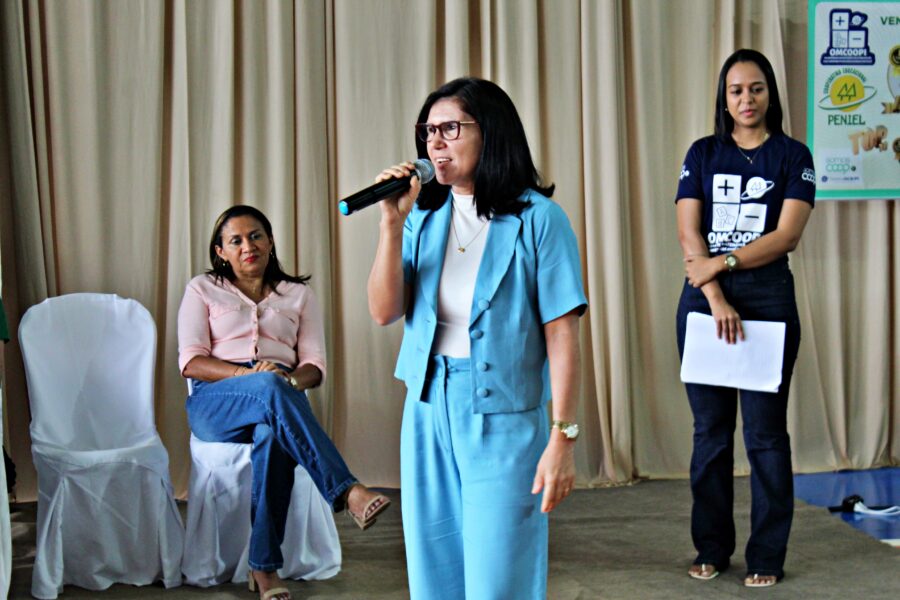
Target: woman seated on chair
251 339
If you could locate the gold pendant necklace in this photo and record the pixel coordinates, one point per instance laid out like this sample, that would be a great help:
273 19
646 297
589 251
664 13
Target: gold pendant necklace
460 247
750 158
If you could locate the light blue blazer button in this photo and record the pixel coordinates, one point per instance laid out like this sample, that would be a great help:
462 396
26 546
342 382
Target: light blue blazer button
484 304
477 334
483 392
482 366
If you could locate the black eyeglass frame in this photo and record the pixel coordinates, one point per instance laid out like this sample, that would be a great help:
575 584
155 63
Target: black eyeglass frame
426 136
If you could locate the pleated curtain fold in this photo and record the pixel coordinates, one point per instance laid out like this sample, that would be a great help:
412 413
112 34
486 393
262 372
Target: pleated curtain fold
127 127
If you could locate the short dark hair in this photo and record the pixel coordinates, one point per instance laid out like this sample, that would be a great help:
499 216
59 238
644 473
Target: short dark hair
774 113
505 169
221 269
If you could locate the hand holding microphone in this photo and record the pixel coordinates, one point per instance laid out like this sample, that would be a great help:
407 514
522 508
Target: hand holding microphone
392 182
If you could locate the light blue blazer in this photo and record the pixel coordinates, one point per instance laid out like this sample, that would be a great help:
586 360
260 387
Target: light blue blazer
530 274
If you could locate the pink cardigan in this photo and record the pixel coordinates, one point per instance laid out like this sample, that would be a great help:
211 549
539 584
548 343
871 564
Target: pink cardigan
218 320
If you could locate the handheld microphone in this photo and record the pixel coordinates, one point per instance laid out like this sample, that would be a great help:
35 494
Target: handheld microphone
383 189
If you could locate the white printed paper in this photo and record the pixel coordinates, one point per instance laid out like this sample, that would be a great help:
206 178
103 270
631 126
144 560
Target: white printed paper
752 364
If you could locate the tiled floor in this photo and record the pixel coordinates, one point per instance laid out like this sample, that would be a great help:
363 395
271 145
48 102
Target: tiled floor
877 487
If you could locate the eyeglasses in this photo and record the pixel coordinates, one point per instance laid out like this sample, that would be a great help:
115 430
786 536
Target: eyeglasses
449 129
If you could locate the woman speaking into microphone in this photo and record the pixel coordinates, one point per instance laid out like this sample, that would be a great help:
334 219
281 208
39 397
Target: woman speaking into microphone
484 268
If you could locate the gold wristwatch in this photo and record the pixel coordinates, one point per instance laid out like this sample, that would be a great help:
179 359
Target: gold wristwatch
570 430
731 261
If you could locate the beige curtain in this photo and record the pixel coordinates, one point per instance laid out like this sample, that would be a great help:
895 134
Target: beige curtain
127 127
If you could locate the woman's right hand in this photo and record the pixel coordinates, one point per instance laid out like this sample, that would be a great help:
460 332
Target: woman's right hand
265 366
262 366
728 321
395 209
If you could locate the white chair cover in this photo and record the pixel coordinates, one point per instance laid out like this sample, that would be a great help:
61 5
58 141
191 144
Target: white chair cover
105 508
217 534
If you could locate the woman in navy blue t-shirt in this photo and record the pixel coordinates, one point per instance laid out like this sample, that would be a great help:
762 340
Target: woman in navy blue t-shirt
744 197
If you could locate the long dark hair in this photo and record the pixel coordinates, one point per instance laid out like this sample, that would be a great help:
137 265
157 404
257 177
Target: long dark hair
221 269
505 169
774 113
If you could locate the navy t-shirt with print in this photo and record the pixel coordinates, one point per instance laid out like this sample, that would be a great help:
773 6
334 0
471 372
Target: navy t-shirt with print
742 200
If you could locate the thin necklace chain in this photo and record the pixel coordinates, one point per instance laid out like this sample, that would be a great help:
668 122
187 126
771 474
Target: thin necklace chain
252 294
750 158
460 247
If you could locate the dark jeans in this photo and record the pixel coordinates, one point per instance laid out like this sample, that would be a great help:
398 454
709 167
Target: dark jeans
266 411
763 294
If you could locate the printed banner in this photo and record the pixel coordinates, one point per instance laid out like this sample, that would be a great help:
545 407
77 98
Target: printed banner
853 125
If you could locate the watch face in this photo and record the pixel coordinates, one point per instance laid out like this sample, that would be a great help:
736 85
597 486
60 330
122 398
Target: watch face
730 261
571 431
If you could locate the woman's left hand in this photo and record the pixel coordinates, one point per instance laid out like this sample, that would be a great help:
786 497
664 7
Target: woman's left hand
700 270
265 366
555 472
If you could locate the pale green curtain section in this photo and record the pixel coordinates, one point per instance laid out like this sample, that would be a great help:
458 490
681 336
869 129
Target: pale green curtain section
127 127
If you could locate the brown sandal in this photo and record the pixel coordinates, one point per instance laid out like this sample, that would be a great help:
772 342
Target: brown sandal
375 507
271 593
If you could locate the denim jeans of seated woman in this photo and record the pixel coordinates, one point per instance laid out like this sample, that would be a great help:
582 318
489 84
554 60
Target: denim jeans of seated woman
263 409
764 294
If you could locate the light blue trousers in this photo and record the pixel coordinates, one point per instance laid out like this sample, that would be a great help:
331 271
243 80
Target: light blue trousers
473 530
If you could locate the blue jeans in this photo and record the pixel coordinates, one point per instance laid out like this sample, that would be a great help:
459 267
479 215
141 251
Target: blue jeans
263 409
472 528
764 294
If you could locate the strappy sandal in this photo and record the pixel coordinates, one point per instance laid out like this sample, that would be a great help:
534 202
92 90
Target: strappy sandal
375 507
272 593
755 580
705 572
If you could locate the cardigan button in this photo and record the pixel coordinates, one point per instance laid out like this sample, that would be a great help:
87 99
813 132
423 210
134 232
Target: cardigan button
483 392
481 366
484 304
477 334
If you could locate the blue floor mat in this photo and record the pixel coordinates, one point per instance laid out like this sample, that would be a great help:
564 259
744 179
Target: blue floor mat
878 487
